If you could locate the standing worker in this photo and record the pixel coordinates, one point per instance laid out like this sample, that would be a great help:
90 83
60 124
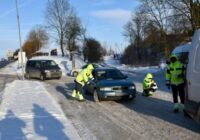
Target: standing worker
149 86
175 77
82 78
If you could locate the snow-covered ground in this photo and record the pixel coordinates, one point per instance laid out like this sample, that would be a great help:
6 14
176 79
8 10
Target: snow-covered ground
66 65
115 63
29 112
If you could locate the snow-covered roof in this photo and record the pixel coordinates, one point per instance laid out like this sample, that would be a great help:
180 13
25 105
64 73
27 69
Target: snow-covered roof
44 50
182 48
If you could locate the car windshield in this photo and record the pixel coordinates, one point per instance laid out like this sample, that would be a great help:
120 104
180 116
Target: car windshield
110 75
49 64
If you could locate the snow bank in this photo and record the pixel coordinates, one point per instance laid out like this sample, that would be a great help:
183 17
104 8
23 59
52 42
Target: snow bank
29 112
115 63
13 68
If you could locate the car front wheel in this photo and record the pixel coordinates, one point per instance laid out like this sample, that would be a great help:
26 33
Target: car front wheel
95 96
27 76
42 77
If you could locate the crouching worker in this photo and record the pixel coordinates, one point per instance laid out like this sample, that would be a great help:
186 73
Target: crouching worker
149 86
84 77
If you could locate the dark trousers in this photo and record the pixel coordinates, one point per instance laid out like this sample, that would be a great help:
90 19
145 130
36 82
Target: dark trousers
79 87
178 90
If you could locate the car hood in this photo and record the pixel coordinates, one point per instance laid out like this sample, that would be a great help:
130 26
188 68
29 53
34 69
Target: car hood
110 83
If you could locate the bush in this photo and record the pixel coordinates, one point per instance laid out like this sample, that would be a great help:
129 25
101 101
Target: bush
93 51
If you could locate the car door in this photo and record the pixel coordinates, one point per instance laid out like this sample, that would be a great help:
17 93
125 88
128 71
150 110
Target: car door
89 88
34 71
31 68
193 71
38 69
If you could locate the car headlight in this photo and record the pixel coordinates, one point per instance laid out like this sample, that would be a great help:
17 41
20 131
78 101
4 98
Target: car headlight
105 89
47 71
131 87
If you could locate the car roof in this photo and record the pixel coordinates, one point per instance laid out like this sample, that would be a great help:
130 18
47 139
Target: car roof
39 60
105 68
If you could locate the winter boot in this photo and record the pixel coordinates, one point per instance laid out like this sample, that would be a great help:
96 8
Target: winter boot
150 93
176 108
181 107
80 97
74 94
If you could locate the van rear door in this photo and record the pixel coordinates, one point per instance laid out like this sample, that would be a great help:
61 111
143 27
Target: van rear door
193 71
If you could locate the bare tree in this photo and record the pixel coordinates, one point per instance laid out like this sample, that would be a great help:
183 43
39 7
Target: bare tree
158 12
57 13
73 32
189 10
38 36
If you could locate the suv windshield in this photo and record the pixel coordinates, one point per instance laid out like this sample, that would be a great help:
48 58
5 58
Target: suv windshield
110 75
49 64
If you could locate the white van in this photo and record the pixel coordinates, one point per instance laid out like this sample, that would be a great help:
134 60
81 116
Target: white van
192 104
182 52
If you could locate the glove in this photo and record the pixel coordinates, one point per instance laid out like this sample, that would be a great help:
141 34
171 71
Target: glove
90 82
167 84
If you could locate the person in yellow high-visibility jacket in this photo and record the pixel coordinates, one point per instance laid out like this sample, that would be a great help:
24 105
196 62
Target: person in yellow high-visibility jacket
149 86
82 78
175 77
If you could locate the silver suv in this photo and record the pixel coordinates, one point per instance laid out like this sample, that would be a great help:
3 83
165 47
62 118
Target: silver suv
42 69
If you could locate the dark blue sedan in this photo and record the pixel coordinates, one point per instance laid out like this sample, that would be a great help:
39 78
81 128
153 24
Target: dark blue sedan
110 84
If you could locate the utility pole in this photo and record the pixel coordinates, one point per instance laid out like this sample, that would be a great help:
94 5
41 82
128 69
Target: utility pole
20 40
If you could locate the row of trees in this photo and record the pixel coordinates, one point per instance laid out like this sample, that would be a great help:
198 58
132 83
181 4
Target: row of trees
157 27
36 39
66 29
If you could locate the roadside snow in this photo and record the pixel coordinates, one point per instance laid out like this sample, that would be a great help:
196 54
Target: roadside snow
13 68
29 112
115 63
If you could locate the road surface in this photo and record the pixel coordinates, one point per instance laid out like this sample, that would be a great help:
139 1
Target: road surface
5 79
143 118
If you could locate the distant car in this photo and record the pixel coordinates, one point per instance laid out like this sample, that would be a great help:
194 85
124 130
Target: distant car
75 72
110 84
42 69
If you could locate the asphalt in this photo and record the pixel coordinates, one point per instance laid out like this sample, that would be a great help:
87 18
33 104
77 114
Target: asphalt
142 118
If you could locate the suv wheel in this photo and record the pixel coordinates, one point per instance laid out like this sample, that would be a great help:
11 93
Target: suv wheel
42 77
75 73
27 76
95 96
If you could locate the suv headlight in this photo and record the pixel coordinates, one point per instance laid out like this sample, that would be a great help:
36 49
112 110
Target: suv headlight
131 87
105 89
47 71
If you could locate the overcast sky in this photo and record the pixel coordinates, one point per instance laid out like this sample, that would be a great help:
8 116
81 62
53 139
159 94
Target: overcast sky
104 19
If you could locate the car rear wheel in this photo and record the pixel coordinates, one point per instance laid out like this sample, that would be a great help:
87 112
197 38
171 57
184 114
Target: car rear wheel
27 76
75 73
95 96
42 77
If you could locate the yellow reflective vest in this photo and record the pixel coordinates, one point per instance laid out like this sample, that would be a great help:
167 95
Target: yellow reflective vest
175 73
147 83
84 76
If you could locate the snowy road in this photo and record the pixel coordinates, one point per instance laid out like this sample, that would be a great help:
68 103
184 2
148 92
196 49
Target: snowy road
143 118
4 79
